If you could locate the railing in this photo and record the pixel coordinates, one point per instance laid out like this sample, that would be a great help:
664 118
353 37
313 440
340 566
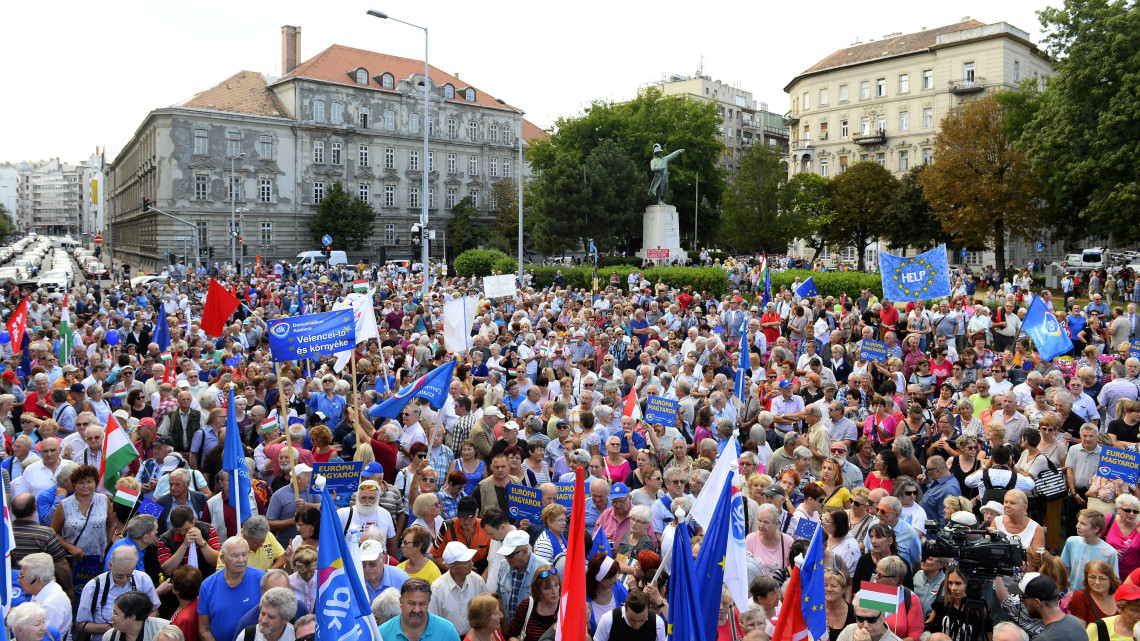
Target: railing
967 86
874 138
802 144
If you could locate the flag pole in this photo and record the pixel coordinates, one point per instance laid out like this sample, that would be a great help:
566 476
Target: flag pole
283 419
235 486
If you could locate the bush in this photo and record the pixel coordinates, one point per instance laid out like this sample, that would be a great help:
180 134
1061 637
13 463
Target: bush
478 262
696 256
705 280
830 283
506 265
612 261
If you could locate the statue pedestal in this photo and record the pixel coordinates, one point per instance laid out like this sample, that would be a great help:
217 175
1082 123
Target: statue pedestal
661 233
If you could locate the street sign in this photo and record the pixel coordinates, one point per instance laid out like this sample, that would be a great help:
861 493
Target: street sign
98 240
1040 246
656 253
326 240
965 253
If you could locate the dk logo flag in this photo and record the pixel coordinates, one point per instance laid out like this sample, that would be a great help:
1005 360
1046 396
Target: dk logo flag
302 337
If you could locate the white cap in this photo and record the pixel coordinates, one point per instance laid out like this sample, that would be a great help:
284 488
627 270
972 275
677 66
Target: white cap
994 506
370 550
493 411
301 469
457 552
964 518
171 462
513 541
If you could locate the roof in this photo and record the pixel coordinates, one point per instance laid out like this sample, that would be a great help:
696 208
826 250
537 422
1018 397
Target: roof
245 92
532 131
903 45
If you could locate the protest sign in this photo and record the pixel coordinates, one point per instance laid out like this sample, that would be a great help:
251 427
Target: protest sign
308 336
1119 464
525 502
340 476
565 494
873 351
660 410
1135 351
499 286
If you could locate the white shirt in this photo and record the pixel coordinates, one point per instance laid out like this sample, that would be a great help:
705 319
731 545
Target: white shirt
53 598
379 518
35 479
450 601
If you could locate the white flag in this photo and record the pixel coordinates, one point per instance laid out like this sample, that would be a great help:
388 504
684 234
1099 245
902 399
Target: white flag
735 568
365 320
458 316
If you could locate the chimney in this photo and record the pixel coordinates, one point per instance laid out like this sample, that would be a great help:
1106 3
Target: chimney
290 48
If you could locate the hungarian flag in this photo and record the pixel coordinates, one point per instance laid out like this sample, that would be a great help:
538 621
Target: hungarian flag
117 453
220 305
631 406
18 323
876 596
118 399
269 424
164 356
360 285
126 496
66 337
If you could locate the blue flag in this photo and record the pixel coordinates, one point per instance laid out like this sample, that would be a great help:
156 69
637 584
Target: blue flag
24 370
1045 332
149 506
922 277
712 557
811 582
807 288
685 622
433 386
601 544
233 462
161 330
309 336
342 608
741 374
7 543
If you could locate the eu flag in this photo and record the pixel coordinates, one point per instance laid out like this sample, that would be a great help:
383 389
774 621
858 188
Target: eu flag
807 288
712 557
342 608
811 577
738 383
233 462
1043 329
162 330
601 544
922 277
685 620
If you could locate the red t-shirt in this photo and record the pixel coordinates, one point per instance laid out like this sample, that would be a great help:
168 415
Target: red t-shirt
684 300
31 405
889 317
770 333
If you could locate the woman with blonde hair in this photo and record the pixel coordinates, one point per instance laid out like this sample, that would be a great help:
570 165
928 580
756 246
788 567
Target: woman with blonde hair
485 616
303 580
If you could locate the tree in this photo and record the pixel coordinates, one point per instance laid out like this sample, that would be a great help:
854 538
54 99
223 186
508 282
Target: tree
909 220
504 232
860 197
462 233
348 220
806 206
1084 135
750 217
7 221
561 206
980 187
617 202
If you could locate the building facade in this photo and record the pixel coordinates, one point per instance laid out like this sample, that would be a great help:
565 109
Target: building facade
10 190
264 152
51 198
744 123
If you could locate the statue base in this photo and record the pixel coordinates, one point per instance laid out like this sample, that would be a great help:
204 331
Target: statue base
661 235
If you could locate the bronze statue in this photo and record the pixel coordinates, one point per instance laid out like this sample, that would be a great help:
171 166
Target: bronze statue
659 165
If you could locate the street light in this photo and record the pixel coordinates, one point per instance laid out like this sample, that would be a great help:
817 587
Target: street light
424 196
233 210
520 174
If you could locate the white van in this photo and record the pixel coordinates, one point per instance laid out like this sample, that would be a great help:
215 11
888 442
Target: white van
336 257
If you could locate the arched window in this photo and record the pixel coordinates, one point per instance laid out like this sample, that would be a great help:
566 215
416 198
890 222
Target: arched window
448 91
469 94
361 77
387 81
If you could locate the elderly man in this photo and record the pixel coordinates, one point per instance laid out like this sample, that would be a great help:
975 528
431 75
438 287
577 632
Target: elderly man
32 537
492 491
1083 404
378 576
269 580
452 592
599 502
615 520
183 424
1013 420
92 454
265 552
179 494
870 625
787 408
784 457
940 483
225 596
285 502
843 430
97 601
22 456
1116 390
889 511
818 438
365 513
37 579
1081 464
140 532
278 607
40 475
515 575
415 620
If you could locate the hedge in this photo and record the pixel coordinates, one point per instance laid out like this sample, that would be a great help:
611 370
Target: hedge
830 283
613 261
479 262
710 280
696 256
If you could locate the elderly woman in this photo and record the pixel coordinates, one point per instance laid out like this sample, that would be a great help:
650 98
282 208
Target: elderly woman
185 585
552 541
415 543
27 622
768 545
636 539
1016 523
131 618
908 492
954 504
1121 533
84 521
485 615
95 403
652 481
303 580
428 511
6 417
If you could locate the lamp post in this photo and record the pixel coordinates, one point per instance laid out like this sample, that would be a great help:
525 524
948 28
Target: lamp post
520 112
424 196
233 210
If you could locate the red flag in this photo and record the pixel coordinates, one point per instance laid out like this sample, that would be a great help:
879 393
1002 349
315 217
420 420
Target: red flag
791 625
18 323
220 305
572 618
630 405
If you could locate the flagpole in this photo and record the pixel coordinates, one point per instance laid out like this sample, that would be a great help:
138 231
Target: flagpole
235 486
283 419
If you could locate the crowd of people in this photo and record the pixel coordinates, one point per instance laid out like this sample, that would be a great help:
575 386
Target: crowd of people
961 426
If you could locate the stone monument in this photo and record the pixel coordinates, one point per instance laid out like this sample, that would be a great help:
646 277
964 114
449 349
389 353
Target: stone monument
660 231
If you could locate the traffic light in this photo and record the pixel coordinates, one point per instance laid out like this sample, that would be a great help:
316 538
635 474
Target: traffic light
328 251
145 205
245 250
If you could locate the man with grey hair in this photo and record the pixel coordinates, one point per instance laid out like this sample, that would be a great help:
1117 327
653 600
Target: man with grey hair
266 552
97 600
277 607
1024 391
37 580
386 606
140 532
1116 390
890 509
227 595
697 481
516 574
784 457
818 438
1006 631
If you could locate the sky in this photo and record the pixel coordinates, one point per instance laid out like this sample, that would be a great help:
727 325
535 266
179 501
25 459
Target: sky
83 75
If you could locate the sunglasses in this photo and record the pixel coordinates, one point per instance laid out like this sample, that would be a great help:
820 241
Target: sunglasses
415 586
911 493
873 619
1129 510
548 573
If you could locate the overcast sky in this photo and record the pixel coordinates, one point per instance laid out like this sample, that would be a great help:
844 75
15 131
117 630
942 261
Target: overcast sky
80 75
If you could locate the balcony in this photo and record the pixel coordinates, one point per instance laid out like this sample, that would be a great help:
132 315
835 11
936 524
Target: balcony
874 138
791 120
968 86
798 145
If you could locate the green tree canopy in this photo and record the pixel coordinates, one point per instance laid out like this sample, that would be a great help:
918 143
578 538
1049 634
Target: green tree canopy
751 220
561 205
616 198
909 220
348 220
806 205
462 233
860 197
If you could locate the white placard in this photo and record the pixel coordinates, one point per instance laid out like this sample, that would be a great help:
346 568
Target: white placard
499 286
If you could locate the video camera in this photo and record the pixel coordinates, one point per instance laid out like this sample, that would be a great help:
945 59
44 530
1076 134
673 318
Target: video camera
980 554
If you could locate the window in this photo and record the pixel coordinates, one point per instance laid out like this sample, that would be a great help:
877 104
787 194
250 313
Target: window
265 147
865 126
473 130
904 160
927 78
730 132
337 113
807 165
233 144
823 168
390 120
452 194
474 197
494 168
364 193
319 110
968 71
361 77
389 232
843 93
431 197
318 151
414 197
364 160
880 123
387 81
203 235
201 142
365 117
880 87
431 161
431 125
823 97
904 121
881 158
807 103
448 91
389 158
865 90
1016 70
318 192
928 117
267 233
863 157
414 160
452 164
201 186
265 190
235 189
414 124
843 129
469 94
492 200
494 133
506 168
904 83
452 128
842 164
473 165
928 156
389 196
823 130
336 158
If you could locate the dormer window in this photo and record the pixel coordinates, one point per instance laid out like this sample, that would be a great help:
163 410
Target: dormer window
448 91
469 94
387 81
361 77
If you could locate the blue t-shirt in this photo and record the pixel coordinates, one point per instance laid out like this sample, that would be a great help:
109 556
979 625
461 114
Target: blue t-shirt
225 605
640 324
121 542
437 628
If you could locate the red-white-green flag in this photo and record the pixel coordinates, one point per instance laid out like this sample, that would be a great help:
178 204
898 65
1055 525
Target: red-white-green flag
876 596
360 285
126 496
117 454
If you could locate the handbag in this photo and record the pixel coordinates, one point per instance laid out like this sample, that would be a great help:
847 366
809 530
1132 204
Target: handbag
1050 484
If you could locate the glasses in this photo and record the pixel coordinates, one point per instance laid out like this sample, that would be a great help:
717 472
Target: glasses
911 493
430 479
873 619
1129 510
860 503
548 573
415 586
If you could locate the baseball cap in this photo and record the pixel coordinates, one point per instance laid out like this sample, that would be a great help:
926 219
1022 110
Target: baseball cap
319 417
513 541
994 506
170 463
69 368
370 550
164 440
147 422
301 469
964 518
456 552
774 489
77 388
1035 585
372 469
511 425
467 508
619 491
1127 592
787 382
493 411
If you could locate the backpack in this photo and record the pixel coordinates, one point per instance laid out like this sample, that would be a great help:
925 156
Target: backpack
996 493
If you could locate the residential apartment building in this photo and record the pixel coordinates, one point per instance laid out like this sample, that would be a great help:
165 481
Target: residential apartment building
51 197
883 101
10 190
743 122
270 149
